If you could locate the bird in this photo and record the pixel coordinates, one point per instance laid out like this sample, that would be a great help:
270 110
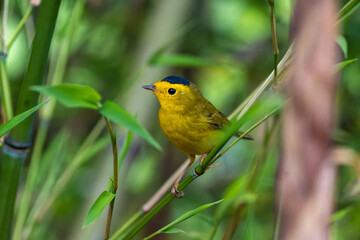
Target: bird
188 120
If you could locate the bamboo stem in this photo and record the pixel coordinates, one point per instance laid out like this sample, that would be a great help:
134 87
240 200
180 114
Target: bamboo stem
6 91
115 184
18 141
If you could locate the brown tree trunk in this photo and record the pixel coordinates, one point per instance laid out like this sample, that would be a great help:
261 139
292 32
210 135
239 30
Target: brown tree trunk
306 174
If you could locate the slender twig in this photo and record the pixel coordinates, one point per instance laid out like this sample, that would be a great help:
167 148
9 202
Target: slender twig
273 35
41 206
115 168
349 6
4 24
19 27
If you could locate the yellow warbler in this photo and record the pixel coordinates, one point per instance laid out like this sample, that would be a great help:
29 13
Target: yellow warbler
188 119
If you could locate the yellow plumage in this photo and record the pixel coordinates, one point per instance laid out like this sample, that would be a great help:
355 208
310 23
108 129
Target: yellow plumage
187 119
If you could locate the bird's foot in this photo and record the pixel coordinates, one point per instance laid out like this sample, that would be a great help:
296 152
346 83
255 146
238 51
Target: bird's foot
212 166
176 192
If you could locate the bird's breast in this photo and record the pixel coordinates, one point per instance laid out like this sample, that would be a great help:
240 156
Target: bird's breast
188 132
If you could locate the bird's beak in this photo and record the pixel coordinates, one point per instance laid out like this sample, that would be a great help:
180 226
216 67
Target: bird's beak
151 87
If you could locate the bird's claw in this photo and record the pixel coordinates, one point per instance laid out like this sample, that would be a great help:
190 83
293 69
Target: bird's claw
212 166
176 192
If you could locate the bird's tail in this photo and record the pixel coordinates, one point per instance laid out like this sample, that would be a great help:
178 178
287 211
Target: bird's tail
246 137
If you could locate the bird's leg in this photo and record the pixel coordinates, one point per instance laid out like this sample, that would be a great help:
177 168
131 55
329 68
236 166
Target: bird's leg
212 166
174 190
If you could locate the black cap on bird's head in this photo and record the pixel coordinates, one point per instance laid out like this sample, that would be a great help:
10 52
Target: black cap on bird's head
176 80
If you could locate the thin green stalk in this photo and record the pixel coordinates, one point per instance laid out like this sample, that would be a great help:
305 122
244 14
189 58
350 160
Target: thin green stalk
19 27
49 178
128 224
247 132
4 25
278 220
115 184
6 91
30 182
155 210
349 6
123 152
274 36
38 211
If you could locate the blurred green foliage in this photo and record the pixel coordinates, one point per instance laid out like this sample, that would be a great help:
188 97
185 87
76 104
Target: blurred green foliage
110 52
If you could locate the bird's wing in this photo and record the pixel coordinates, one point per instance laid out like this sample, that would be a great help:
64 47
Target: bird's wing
217 119
213 117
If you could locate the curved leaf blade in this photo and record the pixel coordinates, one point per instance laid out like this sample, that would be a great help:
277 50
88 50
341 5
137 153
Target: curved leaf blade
96 209
7 126
72 95
120 116
182 218
340 66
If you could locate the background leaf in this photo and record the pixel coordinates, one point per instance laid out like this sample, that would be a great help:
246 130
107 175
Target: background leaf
173 230
120 116
7 126
182 218
341 41
72 95
96 209
182 60
341 214
343 64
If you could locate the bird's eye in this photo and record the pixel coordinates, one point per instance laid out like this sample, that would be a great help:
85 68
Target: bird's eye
171 91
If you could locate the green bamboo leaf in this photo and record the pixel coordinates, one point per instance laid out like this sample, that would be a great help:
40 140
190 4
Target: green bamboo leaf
72 95
173 230
343 64
96 209
341 214
120 116
182 218
181 60
341 41
7 126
